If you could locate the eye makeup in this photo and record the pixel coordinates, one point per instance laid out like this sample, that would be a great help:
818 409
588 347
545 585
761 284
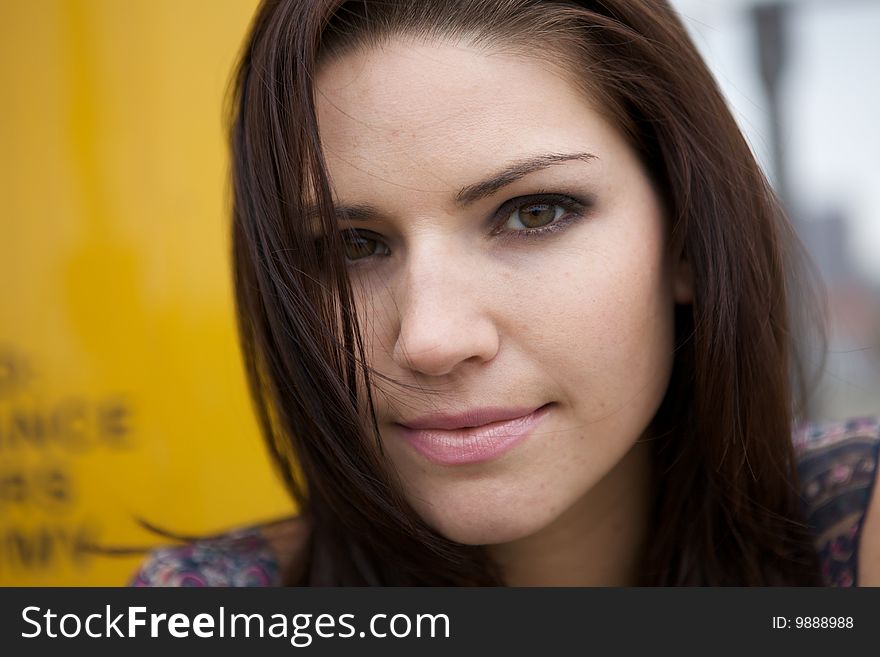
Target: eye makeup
573 210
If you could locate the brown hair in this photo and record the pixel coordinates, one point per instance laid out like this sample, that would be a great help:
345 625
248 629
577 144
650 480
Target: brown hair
727 499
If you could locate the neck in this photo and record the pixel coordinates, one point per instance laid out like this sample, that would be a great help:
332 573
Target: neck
598 541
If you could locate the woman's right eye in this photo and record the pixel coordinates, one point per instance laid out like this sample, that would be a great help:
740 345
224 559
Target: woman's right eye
358 245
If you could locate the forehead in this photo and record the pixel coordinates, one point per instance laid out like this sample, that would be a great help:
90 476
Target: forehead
434 115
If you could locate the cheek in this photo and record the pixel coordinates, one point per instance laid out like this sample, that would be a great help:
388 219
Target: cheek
374 304
605 331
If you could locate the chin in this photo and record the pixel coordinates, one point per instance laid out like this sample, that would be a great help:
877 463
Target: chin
485 527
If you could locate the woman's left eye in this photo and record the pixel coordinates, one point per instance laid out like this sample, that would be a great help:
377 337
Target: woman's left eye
530 215
534 215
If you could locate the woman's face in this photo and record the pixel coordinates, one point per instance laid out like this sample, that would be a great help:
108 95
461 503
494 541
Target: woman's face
509 256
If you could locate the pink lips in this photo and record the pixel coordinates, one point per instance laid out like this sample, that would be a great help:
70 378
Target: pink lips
473 436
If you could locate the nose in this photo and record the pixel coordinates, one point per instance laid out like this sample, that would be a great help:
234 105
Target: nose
445 315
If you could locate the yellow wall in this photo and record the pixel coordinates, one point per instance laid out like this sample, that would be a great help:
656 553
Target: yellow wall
121 390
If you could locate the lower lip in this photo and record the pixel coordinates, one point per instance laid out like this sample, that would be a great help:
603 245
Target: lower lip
473 444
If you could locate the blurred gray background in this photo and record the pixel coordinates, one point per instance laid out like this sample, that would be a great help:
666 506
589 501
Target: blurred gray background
801 77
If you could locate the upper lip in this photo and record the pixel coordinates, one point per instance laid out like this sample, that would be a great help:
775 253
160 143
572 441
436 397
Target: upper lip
473 417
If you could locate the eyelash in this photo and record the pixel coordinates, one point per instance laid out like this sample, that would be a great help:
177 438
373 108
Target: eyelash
574 210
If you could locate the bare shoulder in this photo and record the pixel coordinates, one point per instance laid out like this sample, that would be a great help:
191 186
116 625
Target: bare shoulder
869 549
288 540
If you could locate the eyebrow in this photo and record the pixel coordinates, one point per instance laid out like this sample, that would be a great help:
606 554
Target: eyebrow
473 193
513 172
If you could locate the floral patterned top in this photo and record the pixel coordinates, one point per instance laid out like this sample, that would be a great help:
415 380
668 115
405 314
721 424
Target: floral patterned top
836 463
239 558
